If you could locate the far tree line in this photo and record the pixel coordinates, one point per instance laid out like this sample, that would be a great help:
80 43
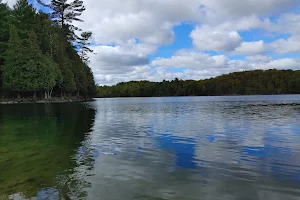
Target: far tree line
44 54
262 82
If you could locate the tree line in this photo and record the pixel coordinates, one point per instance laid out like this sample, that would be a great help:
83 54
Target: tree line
257 82
44 54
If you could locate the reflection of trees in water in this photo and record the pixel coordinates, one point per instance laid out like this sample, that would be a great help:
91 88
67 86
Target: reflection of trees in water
73 184
39 148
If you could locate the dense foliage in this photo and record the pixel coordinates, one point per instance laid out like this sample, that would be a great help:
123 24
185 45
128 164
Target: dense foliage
238 83
41 53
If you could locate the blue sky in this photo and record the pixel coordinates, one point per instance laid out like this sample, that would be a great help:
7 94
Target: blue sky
192 39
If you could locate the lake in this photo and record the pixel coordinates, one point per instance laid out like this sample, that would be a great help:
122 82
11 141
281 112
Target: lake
172 148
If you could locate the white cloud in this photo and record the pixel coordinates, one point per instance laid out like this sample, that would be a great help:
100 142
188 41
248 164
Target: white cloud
288 23
199 65
136 73
121 58
259 59
238 8
192 60
151 21
208 38
284 63
224 36
250 48
289 45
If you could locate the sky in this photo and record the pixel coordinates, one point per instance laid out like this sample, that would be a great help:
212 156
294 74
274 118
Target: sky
191 39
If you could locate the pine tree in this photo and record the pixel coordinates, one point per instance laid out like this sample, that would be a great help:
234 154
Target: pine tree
47 71
4 34
4 29
65 13
36 50
91 86
13 76
24 17
84 44
50 74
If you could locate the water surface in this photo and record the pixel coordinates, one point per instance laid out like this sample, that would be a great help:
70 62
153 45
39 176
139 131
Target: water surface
152 148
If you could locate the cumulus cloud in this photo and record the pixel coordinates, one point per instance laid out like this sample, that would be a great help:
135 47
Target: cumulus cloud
284 63
238 8
288 23
120 59
199 65
192 60
250 48
151 21
207 38
225 36
259 59
136 73
283 46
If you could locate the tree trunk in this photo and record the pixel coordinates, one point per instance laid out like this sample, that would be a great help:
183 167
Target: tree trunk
46 96
61 94
34 95
78 93
51 92
18 96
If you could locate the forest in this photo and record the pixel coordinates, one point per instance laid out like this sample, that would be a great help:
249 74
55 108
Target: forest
258 82
42 54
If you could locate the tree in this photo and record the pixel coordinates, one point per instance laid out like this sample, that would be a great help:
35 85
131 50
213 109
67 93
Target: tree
27 69
4 34
247 82
24 17
84 46
42 69
65 13
14 69
50 75
4 29
39 52
68 83
91 86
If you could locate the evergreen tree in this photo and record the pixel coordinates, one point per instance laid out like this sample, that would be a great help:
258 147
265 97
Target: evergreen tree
65 13
84 46
24 18
50 75
14 69
4 34
238 83
37 55
91 86
4 29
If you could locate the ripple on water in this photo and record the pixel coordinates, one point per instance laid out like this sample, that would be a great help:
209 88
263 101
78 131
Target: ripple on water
153 148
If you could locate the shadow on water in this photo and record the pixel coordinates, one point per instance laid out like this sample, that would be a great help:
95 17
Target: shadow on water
42 147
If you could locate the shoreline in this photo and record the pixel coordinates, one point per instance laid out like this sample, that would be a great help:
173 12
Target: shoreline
42 101
239 95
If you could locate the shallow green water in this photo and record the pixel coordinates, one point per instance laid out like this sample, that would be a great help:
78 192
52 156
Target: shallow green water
38 144
152 148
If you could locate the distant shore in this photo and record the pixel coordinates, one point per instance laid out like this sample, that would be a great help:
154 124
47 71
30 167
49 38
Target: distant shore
41 101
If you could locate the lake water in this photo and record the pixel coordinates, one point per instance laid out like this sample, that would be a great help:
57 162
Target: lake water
177 148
